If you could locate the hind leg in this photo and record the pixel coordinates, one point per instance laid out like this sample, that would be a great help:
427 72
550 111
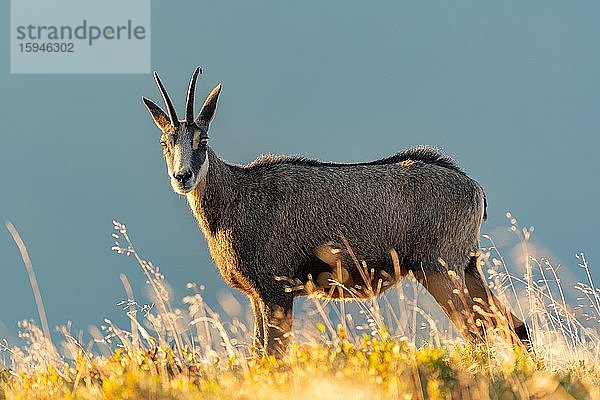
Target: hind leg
448 291
478 289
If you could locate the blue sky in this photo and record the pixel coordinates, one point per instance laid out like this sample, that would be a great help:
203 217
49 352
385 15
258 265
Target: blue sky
510 89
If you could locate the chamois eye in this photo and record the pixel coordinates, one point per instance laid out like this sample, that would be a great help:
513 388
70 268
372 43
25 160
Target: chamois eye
204 141
164 144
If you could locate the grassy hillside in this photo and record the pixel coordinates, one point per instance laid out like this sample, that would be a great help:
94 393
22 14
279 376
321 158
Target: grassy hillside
390 348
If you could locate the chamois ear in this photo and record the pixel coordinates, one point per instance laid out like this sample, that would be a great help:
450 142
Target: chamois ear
158 115
207 112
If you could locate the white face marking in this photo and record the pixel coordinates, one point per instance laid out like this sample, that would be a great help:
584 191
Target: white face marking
182 157
203 169
196 141
200 179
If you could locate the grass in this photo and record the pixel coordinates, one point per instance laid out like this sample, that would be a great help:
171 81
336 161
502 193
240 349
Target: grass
392 347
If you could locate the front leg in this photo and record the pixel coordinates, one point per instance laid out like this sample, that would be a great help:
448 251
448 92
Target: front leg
259 331
278 322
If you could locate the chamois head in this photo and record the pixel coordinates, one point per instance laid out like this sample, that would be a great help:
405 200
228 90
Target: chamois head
184 142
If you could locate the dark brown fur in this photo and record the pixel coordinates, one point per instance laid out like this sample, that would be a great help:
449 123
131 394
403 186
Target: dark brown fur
282 220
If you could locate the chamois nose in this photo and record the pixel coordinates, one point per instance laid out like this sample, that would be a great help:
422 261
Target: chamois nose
183 176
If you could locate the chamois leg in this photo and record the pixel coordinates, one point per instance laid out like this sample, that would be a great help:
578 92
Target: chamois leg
278 323
259 331
478 289
448 290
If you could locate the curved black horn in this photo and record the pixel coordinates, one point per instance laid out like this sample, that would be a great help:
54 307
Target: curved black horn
189 104
168 102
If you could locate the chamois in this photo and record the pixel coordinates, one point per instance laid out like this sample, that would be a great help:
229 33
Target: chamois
284 226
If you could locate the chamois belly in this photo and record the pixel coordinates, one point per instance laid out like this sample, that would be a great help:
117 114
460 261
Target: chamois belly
341 278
